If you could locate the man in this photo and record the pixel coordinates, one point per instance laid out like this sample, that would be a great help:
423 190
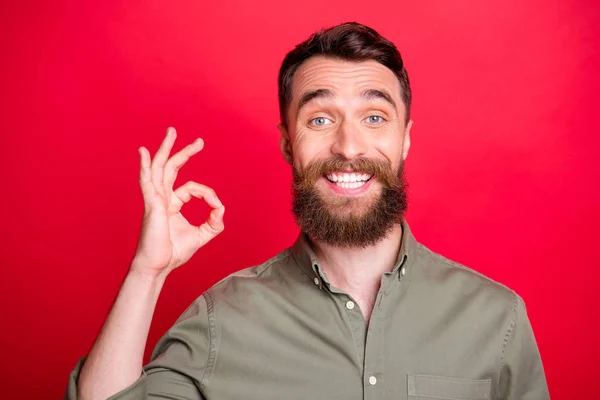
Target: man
356 308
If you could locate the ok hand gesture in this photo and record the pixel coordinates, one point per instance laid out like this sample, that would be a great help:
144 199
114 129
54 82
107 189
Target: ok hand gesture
167 239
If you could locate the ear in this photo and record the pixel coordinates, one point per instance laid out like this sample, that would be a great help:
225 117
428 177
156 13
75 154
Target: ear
406 142
285 144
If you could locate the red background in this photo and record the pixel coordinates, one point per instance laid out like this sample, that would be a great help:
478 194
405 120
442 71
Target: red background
503 166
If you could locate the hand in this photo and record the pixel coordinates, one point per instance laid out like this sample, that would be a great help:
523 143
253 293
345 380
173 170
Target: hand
167 239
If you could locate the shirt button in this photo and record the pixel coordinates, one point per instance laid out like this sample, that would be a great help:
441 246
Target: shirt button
350 305
316 281
403 271
372 380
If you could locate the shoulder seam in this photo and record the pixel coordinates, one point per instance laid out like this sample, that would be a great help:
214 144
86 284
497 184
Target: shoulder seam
511 328
507 336
212 322
212 336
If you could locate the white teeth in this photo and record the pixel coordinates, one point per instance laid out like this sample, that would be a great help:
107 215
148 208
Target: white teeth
350 185
349 178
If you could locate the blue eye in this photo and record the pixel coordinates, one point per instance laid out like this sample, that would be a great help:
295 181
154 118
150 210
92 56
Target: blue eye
375 119
320 121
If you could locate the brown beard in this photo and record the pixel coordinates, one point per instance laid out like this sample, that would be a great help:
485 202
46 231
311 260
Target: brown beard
318 218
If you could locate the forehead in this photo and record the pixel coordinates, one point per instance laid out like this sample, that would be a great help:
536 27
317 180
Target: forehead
343 78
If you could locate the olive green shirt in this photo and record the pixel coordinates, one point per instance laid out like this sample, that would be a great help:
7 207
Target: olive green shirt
280 330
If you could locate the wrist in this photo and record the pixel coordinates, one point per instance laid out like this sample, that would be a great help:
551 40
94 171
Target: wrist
154 278
141 268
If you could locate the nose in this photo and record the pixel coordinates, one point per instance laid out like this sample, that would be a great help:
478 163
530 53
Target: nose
349 141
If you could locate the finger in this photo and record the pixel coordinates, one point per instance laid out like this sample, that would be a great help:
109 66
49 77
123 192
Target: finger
192 189
161 157
214 225
145 178
178 160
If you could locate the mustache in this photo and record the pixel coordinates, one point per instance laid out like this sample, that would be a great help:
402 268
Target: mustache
381 170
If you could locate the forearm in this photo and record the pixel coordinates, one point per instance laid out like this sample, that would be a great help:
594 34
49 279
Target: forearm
116 359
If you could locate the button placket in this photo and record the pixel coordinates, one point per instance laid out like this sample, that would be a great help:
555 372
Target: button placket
374 345
357 326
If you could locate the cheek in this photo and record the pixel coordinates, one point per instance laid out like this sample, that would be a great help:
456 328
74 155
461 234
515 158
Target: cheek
308 146
390 146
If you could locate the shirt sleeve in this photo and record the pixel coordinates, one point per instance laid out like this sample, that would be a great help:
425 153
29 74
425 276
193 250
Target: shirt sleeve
178 364
522 375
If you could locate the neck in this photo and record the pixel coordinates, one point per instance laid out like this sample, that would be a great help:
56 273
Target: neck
358 271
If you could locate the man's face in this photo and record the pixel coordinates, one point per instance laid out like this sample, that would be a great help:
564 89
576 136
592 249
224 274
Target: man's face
347 141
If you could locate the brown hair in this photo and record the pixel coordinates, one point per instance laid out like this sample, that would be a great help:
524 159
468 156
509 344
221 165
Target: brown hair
348 41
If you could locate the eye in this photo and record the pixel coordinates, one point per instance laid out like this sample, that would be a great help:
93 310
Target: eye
320 121
375 119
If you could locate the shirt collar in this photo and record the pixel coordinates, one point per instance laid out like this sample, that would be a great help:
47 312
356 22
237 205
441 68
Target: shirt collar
307 260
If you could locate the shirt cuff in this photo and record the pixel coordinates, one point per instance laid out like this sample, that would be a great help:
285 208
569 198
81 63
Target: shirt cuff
137 390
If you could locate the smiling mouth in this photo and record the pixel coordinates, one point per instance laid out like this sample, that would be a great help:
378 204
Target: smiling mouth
348 180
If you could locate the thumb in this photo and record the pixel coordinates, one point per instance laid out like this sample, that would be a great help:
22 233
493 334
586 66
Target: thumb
213 225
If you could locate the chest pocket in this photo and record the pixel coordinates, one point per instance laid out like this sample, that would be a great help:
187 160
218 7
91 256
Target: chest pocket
428 387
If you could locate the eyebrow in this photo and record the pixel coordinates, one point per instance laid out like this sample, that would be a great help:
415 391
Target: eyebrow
312 95
371 94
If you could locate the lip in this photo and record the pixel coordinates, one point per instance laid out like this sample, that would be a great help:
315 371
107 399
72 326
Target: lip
348 192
